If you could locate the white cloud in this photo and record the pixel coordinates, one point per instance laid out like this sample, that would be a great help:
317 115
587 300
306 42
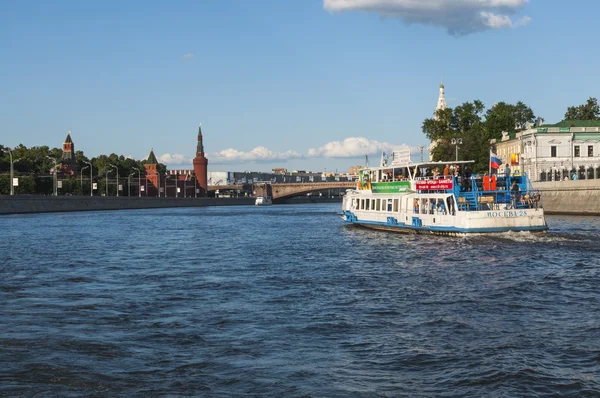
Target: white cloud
187 56
175 158
258 154
458 17
353 147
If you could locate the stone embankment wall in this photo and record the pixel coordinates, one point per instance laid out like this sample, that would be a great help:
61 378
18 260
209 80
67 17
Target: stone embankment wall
46 204
581 197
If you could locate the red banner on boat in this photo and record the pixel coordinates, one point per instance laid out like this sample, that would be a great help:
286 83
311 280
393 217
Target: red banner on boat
434 185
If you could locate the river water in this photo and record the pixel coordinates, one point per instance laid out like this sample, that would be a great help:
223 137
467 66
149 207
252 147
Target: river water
288 301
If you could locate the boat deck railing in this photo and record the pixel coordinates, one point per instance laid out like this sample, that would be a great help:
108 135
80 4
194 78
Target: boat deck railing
475 194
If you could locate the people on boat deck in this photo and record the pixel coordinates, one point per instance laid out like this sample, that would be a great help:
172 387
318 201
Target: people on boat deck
467 180
515 193
447 171
506 174
416 206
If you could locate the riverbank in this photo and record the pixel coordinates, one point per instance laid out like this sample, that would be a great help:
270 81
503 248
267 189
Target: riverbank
580 197
559 197
49 204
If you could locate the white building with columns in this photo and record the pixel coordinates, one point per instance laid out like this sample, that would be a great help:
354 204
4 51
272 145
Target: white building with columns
554 152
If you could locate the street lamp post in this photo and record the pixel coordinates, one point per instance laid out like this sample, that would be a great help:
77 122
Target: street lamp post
129 183
107 171
158 178
83 168
91 179
55 176
116 168
421 148
185 185
12 175
456 142
139 182
166 186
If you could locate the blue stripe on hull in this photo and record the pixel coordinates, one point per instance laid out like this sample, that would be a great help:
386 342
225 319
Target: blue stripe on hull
406 228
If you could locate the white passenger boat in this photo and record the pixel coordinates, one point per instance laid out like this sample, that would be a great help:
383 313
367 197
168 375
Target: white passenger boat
263 201
396 198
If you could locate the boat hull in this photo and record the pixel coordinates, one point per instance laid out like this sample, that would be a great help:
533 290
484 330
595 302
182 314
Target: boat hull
480 222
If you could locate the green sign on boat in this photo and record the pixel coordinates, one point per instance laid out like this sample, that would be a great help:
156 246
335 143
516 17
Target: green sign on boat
390 187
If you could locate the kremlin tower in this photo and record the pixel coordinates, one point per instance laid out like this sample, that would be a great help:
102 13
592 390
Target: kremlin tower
201 165
151 171
69 165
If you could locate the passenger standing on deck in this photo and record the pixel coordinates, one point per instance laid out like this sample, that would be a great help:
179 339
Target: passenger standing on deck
468 174
515 194
447 171
506 174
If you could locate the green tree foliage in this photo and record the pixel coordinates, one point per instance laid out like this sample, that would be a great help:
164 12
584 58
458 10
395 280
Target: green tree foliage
507 117
587 111
475 127
34 168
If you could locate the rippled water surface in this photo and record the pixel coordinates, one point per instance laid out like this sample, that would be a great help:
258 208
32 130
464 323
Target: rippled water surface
288 301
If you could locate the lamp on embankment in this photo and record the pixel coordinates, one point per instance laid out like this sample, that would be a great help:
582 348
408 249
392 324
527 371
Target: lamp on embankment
81 171
91 179
139 182
116 168
456 142
55 176
12 188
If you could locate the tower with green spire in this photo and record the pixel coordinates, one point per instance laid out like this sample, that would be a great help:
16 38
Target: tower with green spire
201 165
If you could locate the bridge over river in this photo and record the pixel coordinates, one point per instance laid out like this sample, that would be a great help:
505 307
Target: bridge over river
283 190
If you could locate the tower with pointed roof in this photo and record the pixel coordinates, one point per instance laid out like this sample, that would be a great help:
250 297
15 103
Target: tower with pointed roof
441 103
201 165
150 167
68 164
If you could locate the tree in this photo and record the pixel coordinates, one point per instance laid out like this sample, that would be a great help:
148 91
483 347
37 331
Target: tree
476 127
507 117
463 122
587 111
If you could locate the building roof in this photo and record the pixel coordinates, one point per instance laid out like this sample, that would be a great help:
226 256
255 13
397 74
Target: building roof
574 123
68 139
151 158
584 137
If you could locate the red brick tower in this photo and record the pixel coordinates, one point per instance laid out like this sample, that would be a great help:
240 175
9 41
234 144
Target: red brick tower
201 165
151 174
69 166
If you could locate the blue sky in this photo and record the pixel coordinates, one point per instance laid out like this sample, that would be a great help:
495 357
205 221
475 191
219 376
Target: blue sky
278 83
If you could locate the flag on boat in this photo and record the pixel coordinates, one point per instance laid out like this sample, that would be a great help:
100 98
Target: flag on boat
495 161
384 159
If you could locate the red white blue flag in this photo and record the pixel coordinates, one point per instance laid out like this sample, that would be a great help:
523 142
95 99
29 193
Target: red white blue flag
495 161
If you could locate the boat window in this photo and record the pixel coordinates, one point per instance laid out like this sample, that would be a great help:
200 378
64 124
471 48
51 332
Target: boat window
378 204
451 209
362 204
368 205
396 205
389 205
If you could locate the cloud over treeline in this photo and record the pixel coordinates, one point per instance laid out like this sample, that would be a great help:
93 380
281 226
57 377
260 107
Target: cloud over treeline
353 147
458 17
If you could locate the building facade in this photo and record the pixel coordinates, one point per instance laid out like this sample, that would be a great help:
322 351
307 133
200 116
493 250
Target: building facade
569 149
